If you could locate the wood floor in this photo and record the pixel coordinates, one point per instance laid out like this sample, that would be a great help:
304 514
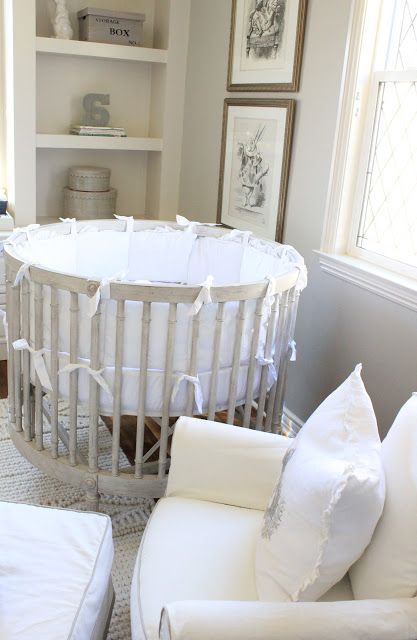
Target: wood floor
3 379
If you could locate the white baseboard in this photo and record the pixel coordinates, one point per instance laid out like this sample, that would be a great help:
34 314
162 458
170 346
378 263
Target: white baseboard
292 423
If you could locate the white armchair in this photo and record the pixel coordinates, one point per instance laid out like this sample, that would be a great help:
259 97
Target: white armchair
196 564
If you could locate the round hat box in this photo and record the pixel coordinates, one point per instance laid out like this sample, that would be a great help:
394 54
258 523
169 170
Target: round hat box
85 205
89 178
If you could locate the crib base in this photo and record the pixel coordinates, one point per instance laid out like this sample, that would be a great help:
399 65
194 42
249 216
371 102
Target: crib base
93 484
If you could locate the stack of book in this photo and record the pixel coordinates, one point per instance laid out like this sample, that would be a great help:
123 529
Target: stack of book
84 130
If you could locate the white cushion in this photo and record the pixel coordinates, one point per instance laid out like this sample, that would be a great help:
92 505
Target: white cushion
193 550
394 619
198 550
327 503
55 569
388 567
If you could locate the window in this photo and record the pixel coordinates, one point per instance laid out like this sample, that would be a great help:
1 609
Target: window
372 212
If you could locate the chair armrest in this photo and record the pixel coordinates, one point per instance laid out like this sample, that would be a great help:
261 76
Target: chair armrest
221 620
222 463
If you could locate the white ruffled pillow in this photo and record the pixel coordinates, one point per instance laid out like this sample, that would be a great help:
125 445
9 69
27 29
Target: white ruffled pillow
327 502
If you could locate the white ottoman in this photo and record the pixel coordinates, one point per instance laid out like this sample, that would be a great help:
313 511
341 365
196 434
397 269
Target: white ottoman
55 573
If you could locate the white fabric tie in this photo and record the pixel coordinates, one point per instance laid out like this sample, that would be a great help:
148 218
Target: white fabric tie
198 392
130 221
189 225
23 273
302 277
272 372
72 222
238 235
5 325
103 292
16 233
94 373
38 361
204 297
269 296
293 348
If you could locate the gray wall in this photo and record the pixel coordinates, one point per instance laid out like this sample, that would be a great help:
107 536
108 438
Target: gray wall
339 324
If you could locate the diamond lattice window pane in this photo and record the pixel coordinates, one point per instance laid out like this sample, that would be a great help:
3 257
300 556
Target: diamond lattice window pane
406 47
389 216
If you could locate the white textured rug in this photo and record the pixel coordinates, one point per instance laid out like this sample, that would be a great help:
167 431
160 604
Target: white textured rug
21 482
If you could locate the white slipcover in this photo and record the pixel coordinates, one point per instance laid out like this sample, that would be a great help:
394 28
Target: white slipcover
355 620
55 570
197 555
199 550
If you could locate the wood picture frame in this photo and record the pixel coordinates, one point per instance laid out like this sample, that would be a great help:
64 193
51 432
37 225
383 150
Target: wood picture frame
254 165
267 60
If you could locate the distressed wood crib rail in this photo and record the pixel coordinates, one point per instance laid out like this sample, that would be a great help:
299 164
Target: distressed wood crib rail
37 321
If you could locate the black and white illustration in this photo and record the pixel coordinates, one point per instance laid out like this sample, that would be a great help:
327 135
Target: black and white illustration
265 25
253 166
265 45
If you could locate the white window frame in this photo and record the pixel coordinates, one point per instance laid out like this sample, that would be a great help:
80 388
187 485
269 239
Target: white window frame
339 254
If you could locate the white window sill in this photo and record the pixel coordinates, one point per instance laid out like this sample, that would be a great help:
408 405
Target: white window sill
379 281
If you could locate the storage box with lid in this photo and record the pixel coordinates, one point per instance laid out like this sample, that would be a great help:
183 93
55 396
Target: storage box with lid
89 178
114 27
86 205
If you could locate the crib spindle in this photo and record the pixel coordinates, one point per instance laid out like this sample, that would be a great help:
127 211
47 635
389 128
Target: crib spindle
10 361
283 366
54 371
38 345
117 392
252 362
94 394
27 413
281 344
73 380
236 362
17 357
143 377
216 361
195 330
163 449
264 374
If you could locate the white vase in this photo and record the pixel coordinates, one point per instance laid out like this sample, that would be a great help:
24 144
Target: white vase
61 22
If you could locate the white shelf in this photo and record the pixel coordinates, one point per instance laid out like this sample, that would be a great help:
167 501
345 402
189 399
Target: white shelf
56 46
51 141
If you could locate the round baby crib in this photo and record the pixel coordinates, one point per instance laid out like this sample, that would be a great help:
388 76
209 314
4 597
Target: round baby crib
149 319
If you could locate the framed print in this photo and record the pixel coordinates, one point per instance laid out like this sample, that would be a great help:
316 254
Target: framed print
266 42
254 164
